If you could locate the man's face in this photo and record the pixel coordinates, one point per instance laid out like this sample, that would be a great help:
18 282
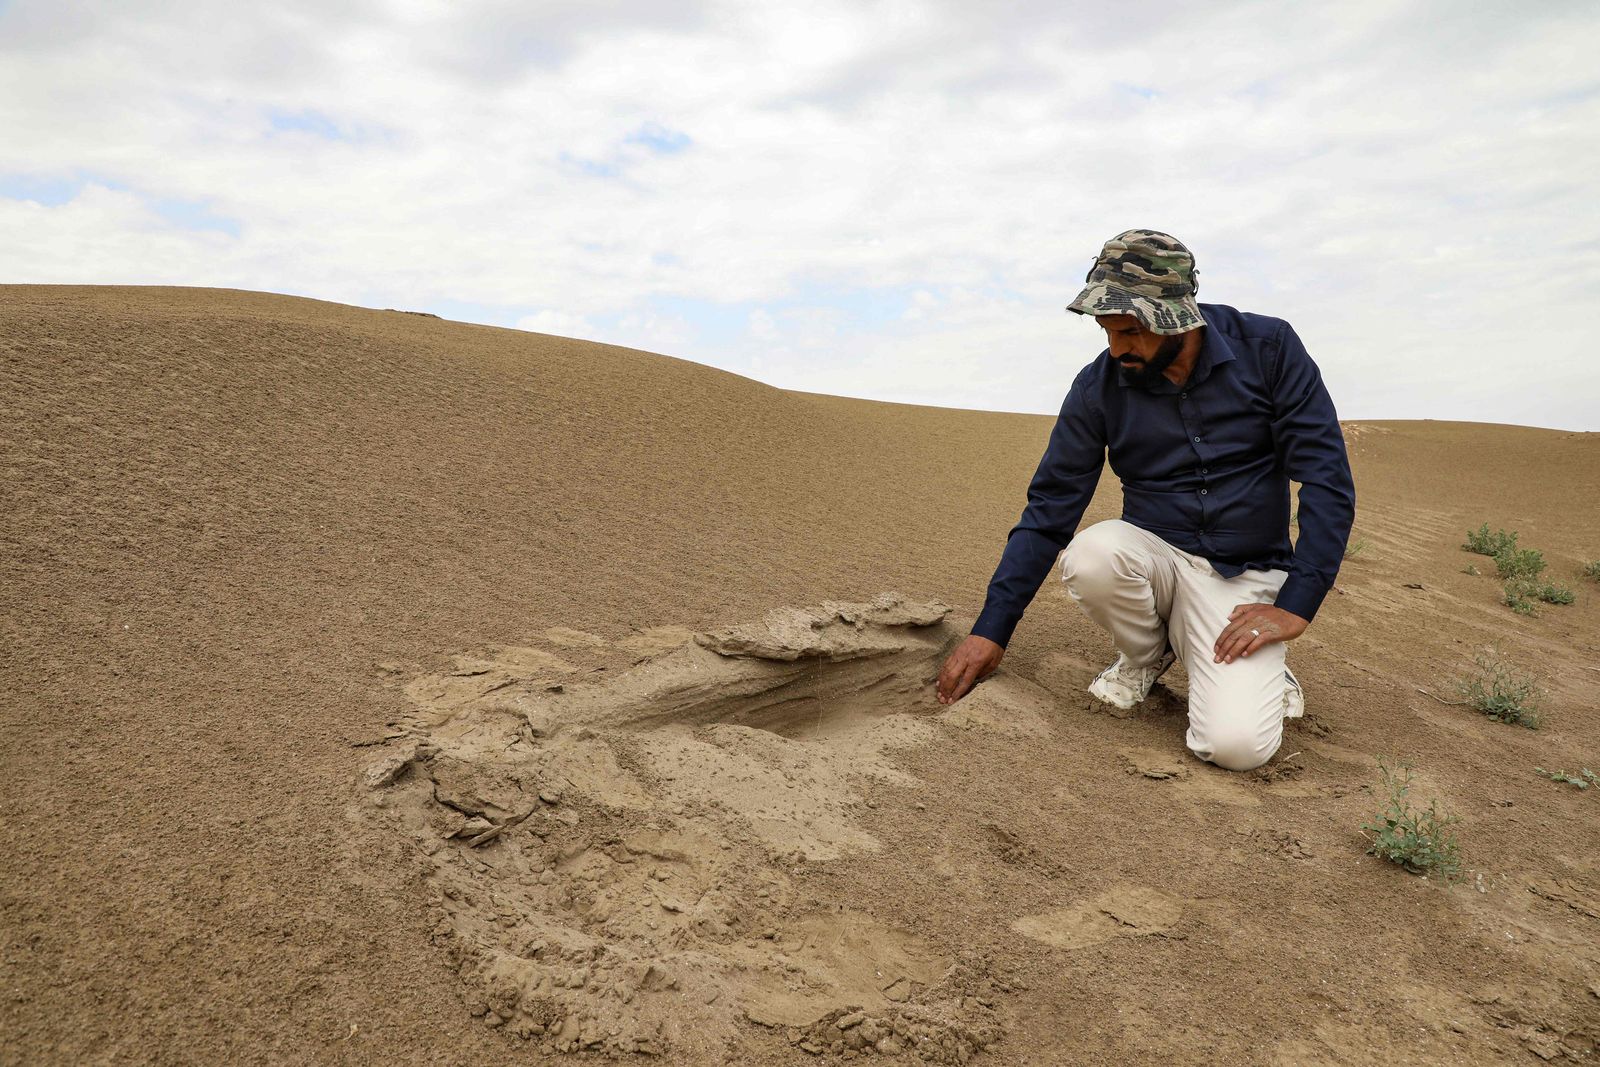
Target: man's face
1141 352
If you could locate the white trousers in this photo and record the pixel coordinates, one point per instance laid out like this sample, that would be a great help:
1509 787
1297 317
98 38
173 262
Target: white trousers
1148 593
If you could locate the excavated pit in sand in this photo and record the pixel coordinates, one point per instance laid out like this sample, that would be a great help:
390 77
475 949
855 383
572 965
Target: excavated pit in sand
612 861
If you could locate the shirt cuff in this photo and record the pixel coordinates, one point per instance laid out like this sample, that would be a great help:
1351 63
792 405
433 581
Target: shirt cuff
1301 596
996 625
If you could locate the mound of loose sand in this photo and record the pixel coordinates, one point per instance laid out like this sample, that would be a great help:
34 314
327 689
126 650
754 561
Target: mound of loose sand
382 688
611 858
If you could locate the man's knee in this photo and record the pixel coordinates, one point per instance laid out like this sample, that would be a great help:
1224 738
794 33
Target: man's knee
1095 560
1235 746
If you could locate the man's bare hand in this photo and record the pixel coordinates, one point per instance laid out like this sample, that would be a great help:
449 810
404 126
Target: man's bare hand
973 660
1252 626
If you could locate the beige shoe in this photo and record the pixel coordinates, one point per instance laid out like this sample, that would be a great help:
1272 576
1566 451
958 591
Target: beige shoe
1123 685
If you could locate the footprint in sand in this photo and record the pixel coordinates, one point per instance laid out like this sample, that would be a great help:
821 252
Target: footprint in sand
1281 843
1124 910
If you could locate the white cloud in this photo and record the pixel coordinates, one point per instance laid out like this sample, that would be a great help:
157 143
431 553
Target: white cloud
1407 183
559 323
922 303
762 327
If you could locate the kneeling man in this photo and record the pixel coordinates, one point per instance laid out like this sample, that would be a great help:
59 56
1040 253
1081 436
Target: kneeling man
1207 413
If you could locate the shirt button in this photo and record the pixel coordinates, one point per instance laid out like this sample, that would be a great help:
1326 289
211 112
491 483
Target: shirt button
1205 470
1202 492
1185 396
1197 437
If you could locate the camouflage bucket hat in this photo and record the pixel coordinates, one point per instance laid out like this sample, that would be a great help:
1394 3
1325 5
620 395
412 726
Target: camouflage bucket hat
1148 275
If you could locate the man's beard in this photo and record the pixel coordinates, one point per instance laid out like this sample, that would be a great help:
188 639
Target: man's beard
1149 373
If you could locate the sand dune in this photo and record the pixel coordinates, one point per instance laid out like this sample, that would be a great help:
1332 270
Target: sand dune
295 592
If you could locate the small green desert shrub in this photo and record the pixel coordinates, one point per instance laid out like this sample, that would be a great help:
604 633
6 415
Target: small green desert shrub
1422 840
1517 600
1501 691
1583 779
1485 543
1471 569
1519 563
1519 567
1551 593
1355 548
1592 570
1520 594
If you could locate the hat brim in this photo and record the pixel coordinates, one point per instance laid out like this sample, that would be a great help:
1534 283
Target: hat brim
1156 314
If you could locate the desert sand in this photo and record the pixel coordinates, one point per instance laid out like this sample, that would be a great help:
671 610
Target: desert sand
387 689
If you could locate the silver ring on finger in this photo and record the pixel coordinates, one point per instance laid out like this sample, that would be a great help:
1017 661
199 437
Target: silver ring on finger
1255 633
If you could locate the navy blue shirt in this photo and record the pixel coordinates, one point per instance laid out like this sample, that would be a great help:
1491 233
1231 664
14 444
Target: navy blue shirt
1205 466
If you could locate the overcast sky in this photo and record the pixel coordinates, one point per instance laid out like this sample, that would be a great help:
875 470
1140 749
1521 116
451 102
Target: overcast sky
892 200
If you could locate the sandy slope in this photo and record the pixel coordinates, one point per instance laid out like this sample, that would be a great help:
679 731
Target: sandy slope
243 534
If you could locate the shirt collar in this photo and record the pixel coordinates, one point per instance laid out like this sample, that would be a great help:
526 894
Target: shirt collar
1214 351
